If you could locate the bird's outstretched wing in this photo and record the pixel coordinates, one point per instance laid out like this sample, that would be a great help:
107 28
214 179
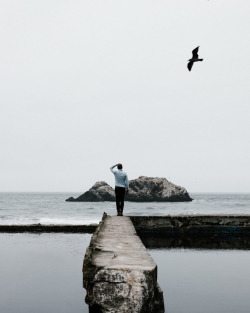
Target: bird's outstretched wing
190 64
195 53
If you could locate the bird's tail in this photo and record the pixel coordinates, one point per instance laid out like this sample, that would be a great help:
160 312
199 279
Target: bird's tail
201 59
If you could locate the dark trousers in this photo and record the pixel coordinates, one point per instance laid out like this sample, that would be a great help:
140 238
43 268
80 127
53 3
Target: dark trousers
119 197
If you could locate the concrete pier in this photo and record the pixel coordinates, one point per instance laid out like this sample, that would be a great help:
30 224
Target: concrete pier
119 274
193 225
41 228
168 225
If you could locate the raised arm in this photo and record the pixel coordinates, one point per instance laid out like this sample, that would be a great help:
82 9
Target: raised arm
112 169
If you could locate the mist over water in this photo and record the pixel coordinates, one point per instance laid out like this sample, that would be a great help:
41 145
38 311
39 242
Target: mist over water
51 208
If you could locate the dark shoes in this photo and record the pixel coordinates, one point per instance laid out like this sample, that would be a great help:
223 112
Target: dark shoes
119 213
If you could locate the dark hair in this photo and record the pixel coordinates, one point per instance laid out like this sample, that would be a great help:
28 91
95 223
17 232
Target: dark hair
119 166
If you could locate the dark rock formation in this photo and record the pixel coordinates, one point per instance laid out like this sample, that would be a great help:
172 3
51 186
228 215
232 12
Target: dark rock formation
142 189
101 191
148 189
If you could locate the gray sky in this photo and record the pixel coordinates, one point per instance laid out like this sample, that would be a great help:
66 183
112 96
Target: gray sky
87 84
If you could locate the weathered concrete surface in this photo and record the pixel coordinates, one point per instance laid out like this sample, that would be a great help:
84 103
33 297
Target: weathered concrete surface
214 242
40 228
118 273
205 225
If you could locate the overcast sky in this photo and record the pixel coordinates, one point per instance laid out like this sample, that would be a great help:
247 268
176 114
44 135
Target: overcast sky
87 84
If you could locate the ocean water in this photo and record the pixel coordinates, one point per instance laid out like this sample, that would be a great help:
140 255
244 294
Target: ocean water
201 280
51 208
42 273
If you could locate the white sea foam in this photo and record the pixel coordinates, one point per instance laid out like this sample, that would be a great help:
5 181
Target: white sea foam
32 208
64 221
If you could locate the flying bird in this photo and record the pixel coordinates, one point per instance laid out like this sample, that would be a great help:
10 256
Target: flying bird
195 58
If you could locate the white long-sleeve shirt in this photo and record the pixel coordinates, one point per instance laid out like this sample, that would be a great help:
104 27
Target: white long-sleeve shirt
121 178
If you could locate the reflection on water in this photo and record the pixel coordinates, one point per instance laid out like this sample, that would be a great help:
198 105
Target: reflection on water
205 242
207 281
43 273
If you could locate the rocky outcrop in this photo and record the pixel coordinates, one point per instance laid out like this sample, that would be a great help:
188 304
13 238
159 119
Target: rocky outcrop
148 189
142 189
119 274
101 191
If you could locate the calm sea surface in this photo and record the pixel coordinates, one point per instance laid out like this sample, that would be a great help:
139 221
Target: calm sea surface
50 208
42 273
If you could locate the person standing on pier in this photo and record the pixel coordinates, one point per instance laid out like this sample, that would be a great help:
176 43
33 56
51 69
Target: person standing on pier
121 186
